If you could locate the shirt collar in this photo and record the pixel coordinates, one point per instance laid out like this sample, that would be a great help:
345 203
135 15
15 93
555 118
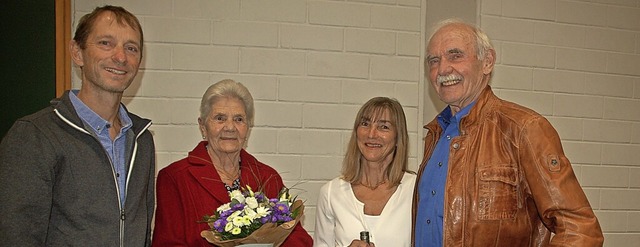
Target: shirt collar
92 119
445 118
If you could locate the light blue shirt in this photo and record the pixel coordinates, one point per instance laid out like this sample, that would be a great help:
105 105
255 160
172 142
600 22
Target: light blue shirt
114 149
429 218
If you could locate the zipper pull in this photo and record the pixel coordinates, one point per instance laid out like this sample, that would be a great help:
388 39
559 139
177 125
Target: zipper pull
122 215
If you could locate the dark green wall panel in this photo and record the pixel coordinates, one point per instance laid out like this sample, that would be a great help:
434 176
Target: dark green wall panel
28 58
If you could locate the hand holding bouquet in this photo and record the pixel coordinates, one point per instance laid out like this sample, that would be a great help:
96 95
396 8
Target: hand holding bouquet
251 217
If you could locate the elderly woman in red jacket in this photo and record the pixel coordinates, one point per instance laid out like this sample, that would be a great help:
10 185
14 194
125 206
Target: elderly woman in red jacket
197 185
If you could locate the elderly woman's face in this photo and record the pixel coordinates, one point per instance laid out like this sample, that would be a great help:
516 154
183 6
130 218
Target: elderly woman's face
377 138
225 128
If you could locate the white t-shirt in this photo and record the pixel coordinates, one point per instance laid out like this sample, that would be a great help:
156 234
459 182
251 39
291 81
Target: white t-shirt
340 216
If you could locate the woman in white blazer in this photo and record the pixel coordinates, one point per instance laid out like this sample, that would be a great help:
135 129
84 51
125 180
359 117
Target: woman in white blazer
375 189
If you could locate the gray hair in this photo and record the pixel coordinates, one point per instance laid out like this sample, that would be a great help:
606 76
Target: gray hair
227 88
483 43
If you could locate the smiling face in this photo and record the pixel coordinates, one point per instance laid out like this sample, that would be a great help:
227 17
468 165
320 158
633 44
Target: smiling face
112 55
455 72
225 128
377 138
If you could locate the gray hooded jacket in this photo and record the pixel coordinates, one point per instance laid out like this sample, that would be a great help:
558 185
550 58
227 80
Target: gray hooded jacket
58 187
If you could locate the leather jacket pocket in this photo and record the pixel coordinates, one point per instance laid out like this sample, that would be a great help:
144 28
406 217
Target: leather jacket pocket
497 192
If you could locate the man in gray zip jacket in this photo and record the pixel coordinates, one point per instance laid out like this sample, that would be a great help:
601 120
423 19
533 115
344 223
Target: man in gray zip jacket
80 172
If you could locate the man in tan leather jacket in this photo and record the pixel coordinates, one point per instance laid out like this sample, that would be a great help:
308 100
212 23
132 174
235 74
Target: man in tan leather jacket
494 172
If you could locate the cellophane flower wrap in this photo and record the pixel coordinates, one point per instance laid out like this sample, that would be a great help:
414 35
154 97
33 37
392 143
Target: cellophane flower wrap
251 217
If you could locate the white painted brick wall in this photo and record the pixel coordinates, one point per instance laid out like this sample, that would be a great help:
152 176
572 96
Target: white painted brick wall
272 61
370 41
395 17
560 34
333 13
310 64
312 37
525 9
172 30
526 55
245 34
338 64
198 58
619 86
590 14
317 90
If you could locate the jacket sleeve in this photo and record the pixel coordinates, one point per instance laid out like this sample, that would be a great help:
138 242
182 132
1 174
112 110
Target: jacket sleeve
323 235
27 161
298 237
561 202
170 214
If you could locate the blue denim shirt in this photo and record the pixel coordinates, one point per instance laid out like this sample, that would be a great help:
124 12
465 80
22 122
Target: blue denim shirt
115 149
429 218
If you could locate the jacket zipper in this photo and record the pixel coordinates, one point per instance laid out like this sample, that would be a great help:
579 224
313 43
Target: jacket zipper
115 179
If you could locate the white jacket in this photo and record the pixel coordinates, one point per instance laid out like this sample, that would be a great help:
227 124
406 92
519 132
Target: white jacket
340 216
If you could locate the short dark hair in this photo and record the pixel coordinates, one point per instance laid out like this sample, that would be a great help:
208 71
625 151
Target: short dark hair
86 23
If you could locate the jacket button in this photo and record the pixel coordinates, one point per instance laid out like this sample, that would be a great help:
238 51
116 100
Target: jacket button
456 145
428 221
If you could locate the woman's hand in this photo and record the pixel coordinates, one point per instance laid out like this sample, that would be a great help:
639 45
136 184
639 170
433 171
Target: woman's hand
360 243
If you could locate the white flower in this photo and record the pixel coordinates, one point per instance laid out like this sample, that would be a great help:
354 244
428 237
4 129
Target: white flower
228 227
245 211
238 221
262 211
246 220
234 215
224 207
250 191
252 202
285 197
237 195
250 213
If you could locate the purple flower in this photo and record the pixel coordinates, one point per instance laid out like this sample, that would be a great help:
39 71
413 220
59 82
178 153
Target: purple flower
219 224
226 213
238 206
265 219
282 208
263 210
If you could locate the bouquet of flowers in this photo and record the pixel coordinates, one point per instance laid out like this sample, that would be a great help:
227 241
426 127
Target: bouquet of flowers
251 217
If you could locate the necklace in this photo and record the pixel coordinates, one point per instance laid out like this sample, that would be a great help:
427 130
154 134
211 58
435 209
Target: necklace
224 174
373 187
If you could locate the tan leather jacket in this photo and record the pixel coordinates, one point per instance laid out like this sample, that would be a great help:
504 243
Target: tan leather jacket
509 182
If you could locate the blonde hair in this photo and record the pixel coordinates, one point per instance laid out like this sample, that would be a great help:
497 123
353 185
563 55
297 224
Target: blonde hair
374 109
